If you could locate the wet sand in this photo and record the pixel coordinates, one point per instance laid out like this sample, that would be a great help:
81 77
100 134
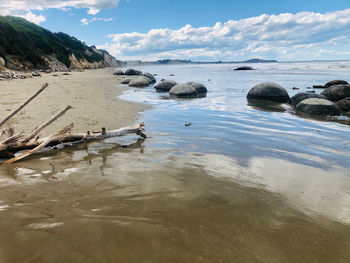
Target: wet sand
92 93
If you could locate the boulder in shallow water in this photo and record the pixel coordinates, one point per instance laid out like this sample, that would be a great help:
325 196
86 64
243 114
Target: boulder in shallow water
244 68
184 91
118 72
268 91
139 82
318 107
150 76
344 104
337 92
303 96
335 82
125 81
132 72
165 85
200 88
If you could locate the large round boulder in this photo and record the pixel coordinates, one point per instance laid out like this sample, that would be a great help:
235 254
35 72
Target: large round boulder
335 82
150 76
118 72
199 87
304 95
268 91
344 104
337 92
165 85
140 82
183 91
132 72
318 107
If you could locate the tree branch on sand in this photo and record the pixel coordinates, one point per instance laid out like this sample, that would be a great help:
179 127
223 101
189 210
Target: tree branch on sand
11 143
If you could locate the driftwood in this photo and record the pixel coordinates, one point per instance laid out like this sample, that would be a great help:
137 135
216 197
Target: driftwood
11 143
23 104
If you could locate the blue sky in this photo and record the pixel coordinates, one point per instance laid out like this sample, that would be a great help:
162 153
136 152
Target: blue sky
199 29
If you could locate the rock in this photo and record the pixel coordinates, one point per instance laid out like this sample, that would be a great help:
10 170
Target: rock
244 68
303 96
2 62
125 81
140 81
337 92
268 91
36 74
132 72
344 104
318 87
118 72
165 85
318 107
311 91
183 91
335 82
200 88
295 88
172 75
150 76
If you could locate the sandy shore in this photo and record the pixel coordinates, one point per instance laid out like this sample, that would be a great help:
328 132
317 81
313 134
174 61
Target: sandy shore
92 93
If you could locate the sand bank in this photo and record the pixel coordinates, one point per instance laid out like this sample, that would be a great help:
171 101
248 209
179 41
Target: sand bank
92 93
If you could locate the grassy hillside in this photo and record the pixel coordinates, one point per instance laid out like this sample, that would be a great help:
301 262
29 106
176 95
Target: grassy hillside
28 42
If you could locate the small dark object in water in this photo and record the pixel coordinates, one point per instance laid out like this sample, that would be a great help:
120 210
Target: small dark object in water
295 88
172 75
309 88
244 68
318 87
311 91
209 79
188 124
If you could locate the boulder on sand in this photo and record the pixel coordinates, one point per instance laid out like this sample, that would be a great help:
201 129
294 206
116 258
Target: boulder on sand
132 72
140 82
268 91
199 87
118 72
125 81
335 82
165 85
2 62
183 91
304 95
318 107
337 92
150 76
344 104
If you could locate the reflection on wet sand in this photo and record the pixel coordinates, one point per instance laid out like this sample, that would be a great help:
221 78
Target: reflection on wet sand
100 204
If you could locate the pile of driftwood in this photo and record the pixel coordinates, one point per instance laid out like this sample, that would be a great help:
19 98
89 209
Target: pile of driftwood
11 143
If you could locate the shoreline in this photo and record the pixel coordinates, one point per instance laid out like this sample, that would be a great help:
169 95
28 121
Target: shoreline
93 94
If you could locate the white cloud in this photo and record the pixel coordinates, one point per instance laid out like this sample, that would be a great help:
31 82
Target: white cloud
86 21
23 7
37 19
283 36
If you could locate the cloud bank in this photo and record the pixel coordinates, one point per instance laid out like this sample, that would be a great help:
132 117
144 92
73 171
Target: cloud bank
23 8
300 36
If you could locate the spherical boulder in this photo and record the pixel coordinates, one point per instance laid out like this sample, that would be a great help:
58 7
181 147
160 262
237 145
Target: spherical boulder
118 72
150 76
304 95
335 82
318 107
140 82
268 91
165 85
337 92
125 81
198 86
183 91
132 72
344 104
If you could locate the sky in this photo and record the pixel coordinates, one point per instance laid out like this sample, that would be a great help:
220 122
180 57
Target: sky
200 30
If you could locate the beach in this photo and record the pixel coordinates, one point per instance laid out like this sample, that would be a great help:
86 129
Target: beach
92 94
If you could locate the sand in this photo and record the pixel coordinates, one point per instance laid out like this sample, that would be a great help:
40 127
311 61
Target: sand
92 93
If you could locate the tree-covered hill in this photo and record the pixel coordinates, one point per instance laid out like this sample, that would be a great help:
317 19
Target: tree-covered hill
27 45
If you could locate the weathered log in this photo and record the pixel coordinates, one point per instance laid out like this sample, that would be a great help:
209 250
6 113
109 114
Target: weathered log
65 136
23 104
